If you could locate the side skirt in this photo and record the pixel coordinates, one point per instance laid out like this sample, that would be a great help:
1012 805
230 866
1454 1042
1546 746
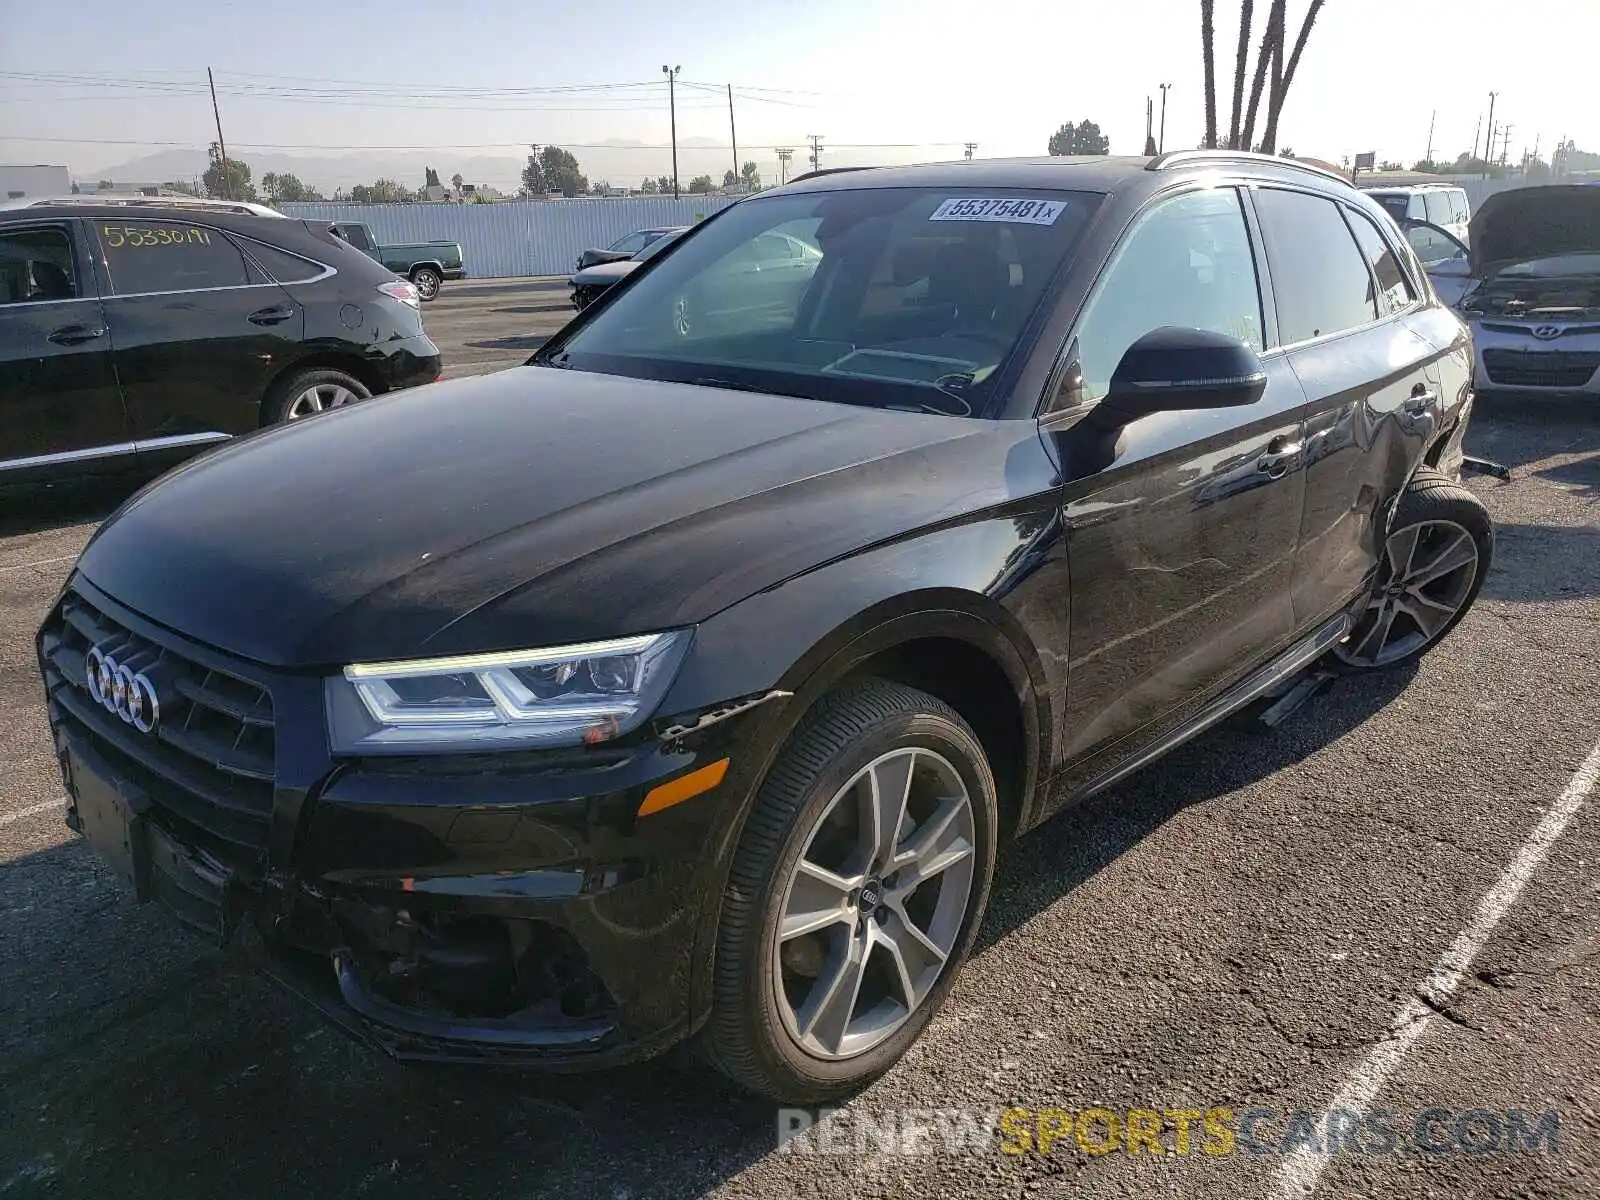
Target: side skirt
1293 660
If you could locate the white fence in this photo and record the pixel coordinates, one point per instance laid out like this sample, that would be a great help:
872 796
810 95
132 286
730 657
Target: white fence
522 237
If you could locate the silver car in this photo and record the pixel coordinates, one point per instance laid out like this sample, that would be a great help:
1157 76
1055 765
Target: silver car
1529 287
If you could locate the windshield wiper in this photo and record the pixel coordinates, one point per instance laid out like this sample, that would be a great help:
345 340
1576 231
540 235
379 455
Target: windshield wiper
734 385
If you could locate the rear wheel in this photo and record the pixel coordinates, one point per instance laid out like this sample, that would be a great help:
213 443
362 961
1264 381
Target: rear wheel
306 393
855 894
427 282
1435 559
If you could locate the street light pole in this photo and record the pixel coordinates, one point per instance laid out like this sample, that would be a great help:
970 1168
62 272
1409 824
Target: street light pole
672 104
1161 142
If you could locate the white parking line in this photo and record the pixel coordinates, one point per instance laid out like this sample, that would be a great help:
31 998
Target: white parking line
8 818
1300 1172
43 562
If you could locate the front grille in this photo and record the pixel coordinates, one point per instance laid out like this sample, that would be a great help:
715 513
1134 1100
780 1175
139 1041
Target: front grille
1551 369
208 766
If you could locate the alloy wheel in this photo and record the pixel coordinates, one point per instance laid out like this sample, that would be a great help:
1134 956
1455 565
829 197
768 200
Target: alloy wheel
872 909
1427 578
317 398
427 284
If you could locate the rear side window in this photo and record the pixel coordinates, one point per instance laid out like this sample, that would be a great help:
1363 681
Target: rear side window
170 256
1188 263
36 265
1395 206
1394 289
355 235
1458 206
283 266
1438 208
1318 276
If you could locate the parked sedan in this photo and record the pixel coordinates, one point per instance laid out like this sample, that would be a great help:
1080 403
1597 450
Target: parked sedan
624 247
686 682
588 284
1529 287
135 335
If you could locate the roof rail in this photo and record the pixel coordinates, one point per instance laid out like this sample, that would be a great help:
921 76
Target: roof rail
1180 158
821 171
200 203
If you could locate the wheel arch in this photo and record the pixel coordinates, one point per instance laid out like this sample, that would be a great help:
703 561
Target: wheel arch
319 360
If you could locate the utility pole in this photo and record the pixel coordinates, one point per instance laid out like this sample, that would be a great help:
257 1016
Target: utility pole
672 104
1477 130
733 136
971 146
1149 126
1161 142
222 146
816 150
785 153
1505 143
1428 157
1488 146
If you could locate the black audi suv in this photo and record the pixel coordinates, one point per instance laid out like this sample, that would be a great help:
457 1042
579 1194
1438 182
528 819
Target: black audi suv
685 682
134 333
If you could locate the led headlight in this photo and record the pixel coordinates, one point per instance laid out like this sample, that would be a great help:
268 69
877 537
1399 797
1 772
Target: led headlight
518 699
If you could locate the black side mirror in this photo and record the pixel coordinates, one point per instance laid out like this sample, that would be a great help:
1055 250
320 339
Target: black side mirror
1172 368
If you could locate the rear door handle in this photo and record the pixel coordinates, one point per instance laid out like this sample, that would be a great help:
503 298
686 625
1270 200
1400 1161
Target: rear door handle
1420 402
275 315
1275 462
76 335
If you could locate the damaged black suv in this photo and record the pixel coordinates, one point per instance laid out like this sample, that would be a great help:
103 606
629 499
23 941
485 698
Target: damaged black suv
686 681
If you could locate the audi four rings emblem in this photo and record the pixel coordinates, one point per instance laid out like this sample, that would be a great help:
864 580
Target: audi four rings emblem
119 689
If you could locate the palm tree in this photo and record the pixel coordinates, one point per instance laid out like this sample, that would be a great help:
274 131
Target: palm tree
1240 66
1273 74
1280 91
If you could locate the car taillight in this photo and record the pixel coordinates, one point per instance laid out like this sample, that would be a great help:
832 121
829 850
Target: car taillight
402 291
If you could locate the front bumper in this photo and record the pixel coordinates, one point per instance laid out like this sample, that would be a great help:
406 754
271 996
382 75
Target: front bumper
1510 357
510 908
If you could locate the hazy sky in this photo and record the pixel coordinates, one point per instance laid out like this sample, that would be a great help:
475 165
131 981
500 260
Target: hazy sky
934 73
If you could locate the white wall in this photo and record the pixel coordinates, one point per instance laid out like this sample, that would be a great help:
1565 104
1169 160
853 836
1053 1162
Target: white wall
34 182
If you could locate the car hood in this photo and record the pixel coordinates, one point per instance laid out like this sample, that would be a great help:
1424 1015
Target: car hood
605 273
536 506
1532 223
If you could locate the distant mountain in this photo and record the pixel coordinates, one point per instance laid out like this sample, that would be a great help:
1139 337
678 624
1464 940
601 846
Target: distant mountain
621 163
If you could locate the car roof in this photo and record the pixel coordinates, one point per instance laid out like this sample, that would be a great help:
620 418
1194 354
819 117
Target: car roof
1089 173
1402 188
120 205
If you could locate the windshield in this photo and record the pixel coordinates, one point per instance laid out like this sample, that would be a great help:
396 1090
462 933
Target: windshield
893 297
657 245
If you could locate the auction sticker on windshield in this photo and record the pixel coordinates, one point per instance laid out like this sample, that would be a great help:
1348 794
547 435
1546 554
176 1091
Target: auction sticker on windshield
972 208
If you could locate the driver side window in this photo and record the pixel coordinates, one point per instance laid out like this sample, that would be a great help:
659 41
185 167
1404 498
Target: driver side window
1187 263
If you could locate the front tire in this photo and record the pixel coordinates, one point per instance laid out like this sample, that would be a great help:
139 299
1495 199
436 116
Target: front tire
855 894
1435 559
427 281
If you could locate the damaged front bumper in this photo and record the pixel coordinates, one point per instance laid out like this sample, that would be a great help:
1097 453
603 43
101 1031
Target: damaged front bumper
509 907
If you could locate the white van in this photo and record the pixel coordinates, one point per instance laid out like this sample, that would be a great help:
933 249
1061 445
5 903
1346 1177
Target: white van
1436 203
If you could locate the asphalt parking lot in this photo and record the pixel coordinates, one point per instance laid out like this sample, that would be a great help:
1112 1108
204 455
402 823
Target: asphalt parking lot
1238 926
488 324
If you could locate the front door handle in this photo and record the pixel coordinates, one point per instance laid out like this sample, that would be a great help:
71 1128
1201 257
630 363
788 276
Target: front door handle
1420 402
76 335
275 315
1275 462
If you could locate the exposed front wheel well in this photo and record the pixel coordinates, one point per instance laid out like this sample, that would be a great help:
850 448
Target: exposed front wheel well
977 687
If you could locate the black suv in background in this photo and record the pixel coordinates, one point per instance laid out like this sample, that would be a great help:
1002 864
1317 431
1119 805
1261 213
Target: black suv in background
686 681
133 334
